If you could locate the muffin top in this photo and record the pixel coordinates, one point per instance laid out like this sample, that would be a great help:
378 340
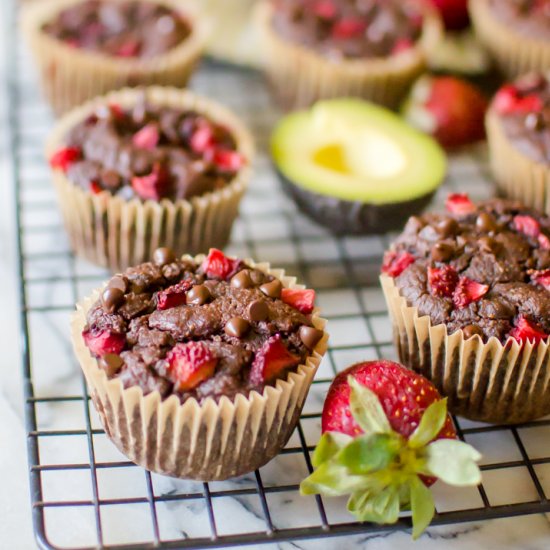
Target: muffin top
524 109
130 29
200 330
148 152
350 29
528 17
482 269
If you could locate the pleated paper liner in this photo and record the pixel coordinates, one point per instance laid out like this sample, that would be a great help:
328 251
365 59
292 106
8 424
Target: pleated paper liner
116 233
300 76
208 441
514 53
488 382
70 76
517 176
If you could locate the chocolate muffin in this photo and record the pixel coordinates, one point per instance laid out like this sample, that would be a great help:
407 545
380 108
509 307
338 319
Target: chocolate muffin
86 48
337 48
139 169
518 132
215 342
515 32
469 298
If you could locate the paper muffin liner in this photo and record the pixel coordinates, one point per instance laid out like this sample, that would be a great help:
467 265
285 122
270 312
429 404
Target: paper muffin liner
117 233
208 441
489 382
514 53
300 76
71 76
517 176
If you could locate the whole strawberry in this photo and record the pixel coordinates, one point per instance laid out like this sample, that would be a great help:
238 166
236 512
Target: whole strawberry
386 438
448 108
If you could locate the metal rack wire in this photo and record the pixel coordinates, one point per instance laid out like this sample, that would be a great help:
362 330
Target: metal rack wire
344 271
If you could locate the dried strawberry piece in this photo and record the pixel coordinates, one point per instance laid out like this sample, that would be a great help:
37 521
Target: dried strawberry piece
64 157
508 100
468 291
95 187
153 186
147 138
272 358
129 48
544 241
104 342
527 225
190 364
402 45
459 204
348 28
325 9
524 331
202 138
174 295
442 280
228 160
396 262
301 299
218 266
541 278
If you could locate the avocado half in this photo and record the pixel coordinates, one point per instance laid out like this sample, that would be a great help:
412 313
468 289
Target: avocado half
356 167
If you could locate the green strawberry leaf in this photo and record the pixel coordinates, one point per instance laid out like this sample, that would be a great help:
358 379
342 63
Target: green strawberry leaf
431 424
380 507
332 479
329 445
370 453
454 462
422 506
367 409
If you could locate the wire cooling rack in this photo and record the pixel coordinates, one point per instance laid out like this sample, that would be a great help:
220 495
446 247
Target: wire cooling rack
85 494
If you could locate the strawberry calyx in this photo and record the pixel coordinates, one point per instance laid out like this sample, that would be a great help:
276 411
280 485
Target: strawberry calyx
383 471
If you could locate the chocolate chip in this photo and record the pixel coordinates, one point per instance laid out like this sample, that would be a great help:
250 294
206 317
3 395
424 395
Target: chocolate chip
198 295
447 227
112 298
535 122
272 289
111 363
120 282
442 252
487 244
310 336
237 327
163 256
242 280
486 223
471 330
258 311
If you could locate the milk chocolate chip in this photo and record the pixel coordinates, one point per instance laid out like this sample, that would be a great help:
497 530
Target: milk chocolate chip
120 282
242 280
237 327
258 311
310 336
471 330
198 295
441 252
163 256
111 363
272 289
111 299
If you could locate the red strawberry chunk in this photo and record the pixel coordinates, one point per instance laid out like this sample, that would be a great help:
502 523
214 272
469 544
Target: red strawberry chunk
116 110
544 241
63 158
459 204
527 225
218 266
147 138
129 48
104 342
301 299
95 187
468 291
202 138
153 186
396 262
228 160
524 331
272 358
325 9
542 278
402 45
508 101
442 280
190 364
348 28
174 295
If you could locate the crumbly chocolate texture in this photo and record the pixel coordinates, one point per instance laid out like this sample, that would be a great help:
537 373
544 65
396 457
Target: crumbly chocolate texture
350 29
132 29
530 18
151 152
150 333
530 130
484 246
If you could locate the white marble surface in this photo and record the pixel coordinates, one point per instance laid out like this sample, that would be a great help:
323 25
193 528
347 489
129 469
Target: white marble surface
57 374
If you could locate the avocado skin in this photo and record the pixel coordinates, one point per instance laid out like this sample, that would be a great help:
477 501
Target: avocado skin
353 217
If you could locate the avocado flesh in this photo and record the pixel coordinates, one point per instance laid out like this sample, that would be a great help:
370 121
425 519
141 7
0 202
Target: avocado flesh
356 151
